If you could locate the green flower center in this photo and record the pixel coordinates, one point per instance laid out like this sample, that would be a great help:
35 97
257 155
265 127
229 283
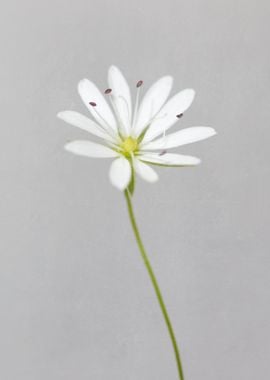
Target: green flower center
129 145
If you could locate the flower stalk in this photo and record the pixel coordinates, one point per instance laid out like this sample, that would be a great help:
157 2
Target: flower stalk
155 284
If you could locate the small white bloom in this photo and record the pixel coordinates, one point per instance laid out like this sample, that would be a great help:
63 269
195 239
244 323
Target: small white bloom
135 139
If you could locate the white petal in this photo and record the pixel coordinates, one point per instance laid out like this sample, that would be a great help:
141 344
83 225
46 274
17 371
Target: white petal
182 137
102 112
166 118
120 95
90 149
170 159
78 120
120 173
152 101
145 171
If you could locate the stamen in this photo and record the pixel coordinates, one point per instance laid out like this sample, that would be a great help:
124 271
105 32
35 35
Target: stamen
108 91
180 115
108 128
139 84
162 152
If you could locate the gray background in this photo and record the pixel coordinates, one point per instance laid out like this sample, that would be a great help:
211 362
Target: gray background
76 302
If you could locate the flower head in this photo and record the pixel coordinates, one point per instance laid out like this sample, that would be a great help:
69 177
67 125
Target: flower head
134 139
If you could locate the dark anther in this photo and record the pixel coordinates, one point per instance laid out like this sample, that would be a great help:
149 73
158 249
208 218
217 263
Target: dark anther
180 115
108 91
139 84
93 104
162 152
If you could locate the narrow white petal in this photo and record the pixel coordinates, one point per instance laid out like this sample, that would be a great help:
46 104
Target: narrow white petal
145 171
101 112
152 101
90 149
167 116
170 159
182 137
78 120
120 173
120 95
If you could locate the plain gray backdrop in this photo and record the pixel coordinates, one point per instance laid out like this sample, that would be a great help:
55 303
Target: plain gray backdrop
75 299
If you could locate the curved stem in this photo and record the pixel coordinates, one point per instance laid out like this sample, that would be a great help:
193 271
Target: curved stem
155 284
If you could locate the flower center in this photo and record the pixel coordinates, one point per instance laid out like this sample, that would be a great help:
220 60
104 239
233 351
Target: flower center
129 145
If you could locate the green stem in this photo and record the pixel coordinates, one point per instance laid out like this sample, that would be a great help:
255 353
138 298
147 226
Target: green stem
155 285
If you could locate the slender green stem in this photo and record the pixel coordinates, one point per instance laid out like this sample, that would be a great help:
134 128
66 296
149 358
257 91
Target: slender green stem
155 284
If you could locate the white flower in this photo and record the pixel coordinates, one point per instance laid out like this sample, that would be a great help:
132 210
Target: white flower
134 139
